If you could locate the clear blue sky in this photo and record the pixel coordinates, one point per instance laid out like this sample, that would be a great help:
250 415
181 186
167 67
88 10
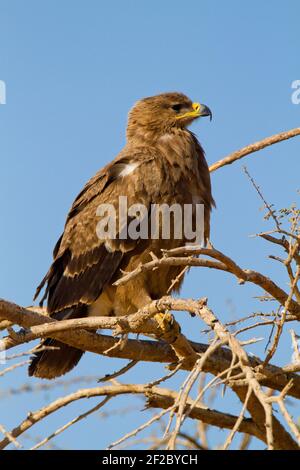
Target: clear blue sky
72 70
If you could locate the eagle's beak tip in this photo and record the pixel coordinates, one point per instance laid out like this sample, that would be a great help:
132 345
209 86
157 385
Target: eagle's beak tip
205 111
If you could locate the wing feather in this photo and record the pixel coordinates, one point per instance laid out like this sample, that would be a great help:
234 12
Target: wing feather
82 263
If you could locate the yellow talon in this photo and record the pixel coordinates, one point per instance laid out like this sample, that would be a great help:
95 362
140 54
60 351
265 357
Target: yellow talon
165 321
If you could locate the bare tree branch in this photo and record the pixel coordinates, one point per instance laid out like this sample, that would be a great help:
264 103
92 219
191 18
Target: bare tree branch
156 398
185 256
153 351
238 154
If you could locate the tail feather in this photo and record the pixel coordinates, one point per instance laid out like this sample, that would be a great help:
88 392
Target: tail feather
49 364
52 363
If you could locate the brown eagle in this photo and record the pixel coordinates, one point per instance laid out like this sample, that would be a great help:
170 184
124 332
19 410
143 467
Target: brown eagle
162 162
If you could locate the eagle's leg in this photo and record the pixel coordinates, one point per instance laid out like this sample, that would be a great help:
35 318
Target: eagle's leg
165 320
168 326
171 333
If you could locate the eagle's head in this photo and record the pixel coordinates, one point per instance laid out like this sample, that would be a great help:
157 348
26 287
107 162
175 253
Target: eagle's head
158 114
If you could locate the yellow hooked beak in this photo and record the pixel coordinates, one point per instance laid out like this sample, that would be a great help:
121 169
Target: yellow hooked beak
199 110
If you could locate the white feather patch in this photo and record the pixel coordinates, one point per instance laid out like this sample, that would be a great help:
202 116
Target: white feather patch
128 169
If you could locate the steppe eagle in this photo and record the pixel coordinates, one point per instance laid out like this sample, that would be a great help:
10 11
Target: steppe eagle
161 163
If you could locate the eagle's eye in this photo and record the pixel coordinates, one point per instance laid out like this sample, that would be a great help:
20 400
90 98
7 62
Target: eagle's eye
177 107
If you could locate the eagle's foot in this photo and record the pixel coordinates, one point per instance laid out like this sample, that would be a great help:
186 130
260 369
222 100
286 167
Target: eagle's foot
169 328
164 320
